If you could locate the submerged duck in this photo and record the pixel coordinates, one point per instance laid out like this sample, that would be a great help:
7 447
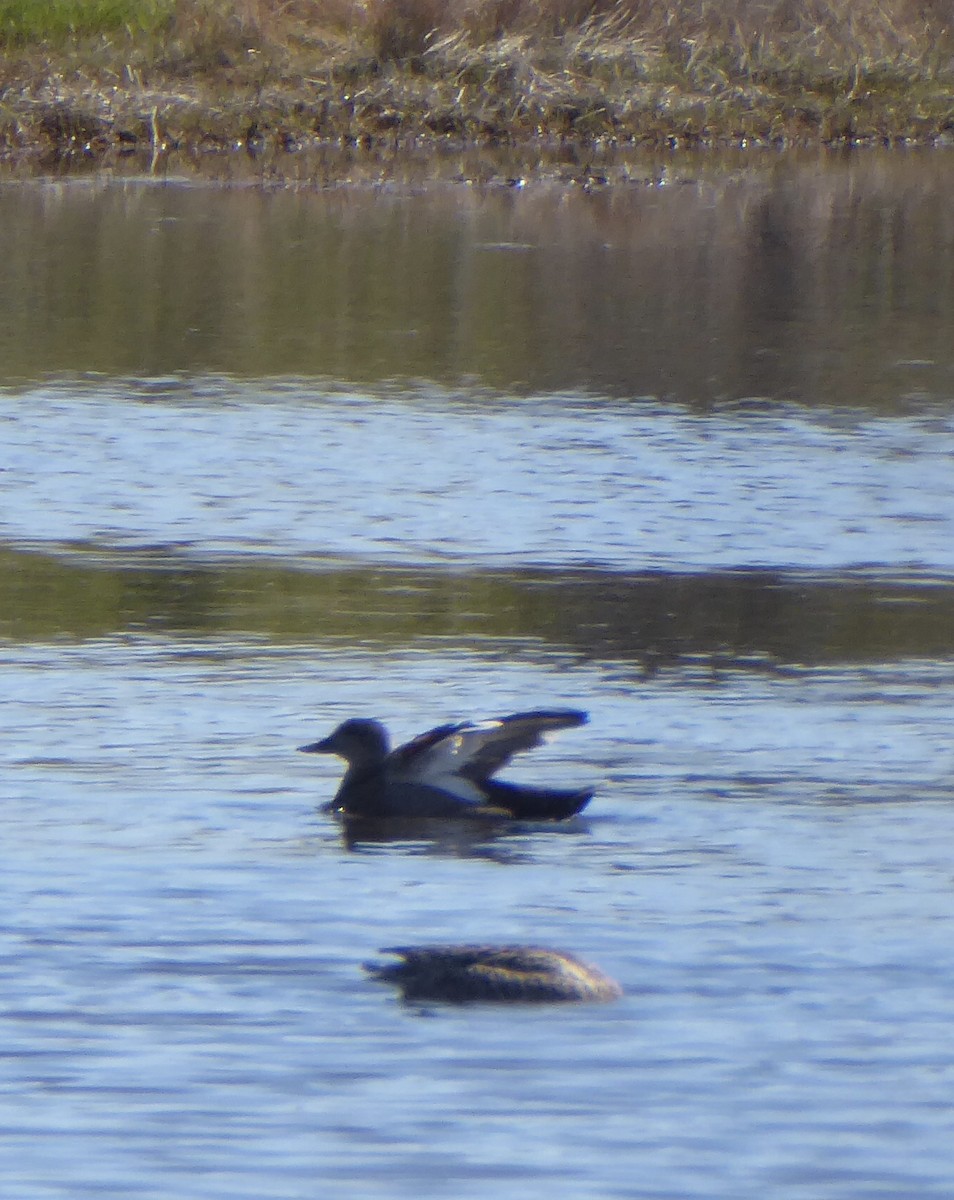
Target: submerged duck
509 974
447 772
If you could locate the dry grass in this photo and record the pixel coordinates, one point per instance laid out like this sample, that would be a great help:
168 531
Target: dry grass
745 33
374 70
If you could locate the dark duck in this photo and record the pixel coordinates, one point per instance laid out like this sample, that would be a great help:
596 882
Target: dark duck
448 771
501 974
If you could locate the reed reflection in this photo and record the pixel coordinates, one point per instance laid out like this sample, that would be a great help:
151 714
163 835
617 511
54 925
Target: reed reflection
728 286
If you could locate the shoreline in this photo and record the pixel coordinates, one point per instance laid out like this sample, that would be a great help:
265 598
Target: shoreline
408 167
94 132
591 92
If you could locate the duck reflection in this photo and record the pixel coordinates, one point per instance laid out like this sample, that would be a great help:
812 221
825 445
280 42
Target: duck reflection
498 840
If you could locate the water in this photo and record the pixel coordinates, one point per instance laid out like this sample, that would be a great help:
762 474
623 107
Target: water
242 498
412 481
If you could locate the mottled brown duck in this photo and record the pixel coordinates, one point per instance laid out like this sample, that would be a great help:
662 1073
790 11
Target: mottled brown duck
501 974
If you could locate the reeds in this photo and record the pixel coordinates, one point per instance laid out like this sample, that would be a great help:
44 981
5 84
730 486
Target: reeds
507 69
742 34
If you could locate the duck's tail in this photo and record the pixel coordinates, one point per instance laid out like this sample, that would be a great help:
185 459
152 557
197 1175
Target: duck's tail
535 803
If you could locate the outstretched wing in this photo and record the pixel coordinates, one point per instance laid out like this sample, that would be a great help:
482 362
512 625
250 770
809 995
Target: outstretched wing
429 760
476 751
484 748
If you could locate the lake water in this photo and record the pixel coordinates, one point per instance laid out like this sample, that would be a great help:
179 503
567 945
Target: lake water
678 451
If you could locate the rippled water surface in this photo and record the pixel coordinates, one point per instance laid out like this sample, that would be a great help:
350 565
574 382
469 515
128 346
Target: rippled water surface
682 456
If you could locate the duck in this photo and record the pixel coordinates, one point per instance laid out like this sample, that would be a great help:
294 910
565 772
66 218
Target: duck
502 974
448 771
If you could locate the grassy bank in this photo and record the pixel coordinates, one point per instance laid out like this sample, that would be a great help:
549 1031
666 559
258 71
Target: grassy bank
96 76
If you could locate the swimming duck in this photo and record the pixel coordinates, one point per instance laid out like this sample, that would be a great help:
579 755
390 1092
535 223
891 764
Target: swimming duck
447 772
508 974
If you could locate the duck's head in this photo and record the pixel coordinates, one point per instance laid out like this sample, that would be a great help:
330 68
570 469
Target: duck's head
360 742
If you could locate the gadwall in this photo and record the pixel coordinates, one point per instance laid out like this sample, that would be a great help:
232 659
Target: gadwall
447 772
508 974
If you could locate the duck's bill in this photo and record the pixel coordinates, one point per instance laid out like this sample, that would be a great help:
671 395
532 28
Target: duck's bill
321 747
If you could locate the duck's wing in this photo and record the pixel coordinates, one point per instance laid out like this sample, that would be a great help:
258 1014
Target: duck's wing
429 760
486 747
450 756
448 953
437 960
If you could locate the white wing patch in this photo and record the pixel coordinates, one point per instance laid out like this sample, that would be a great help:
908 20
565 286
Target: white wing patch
439 767
457 786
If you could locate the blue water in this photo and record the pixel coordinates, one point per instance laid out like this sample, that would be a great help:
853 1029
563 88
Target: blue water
218 467
766 865
765 868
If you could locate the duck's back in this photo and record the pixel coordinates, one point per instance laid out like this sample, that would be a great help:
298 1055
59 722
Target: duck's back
507 974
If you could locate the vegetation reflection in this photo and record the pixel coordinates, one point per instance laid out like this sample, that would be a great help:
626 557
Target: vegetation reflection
754 619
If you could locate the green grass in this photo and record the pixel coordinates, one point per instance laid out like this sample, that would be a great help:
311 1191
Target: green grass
23 22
